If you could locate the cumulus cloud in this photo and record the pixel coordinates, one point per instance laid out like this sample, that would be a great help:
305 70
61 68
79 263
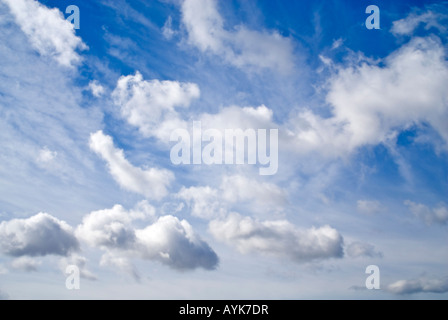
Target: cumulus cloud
234 117
25 264
150 105
279 238
167 239
39 235
108 228
235 190
96 88
360 249
244 48
437 215
421 285
205 202
429 19
47 30
151 183
371 103
174 243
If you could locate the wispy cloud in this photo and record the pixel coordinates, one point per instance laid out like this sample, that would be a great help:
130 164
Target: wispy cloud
420 285
152 183
242 47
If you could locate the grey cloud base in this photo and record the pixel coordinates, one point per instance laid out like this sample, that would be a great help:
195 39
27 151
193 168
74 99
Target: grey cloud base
39 235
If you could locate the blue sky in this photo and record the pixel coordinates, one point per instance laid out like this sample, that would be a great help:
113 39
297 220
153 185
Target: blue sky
87 179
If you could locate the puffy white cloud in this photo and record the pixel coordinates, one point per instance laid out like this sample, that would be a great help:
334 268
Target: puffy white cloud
437 215
369 207
96 88
174 243
39 235
204 202
108 228
236 190
360 249
421 285
146 104
234 117
167 240
47 30
372 103
279 238
430 19
152 183
25 264
241 47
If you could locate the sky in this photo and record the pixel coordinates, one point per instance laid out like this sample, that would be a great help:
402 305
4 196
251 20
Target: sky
87 179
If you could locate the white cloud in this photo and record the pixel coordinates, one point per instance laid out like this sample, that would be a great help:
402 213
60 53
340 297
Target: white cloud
360 249
279 238
204 202
372 103
39 235
407 26
46 155
167 29
437 215
96 88
120 262
174 243
421 285
25 264
167 240
241 47
235 117
47 30
152 183
236 190
369 207
147 104
262 196
107 228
